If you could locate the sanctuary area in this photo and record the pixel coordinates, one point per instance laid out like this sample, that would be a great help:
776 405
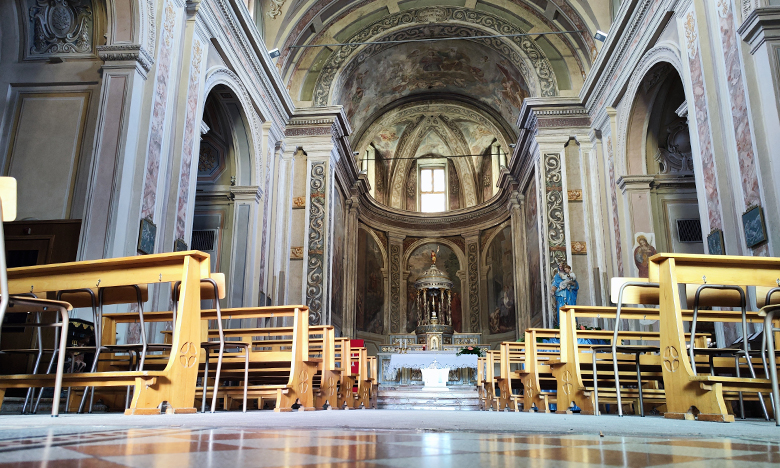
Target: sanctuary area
536 206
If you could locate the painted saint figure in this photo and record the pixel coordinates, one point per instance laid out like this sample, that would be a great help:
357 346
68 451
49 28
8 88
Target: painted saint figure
564 289
642 256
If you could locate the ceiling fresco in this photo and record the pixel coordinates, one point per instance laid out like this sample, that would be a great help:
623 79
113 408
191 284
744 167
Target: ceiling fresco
460 67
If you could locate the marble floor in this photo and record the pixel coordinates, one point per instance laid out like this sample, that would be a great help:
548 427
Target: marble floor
230 440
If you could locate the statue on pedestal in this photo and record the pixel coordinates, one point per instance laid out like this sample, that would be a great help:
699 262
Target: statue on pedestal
564 289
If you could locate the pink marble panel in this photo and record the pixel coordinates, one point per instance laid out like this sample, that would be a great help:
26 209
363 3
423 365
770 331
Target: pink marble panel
702 122
739 111
615 211
189 146
157 130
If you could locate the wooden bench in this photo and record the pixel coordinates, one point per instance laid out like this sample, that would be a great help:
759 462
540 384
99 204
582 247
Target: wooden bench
175 383
690 390
534 372
492 369
575 371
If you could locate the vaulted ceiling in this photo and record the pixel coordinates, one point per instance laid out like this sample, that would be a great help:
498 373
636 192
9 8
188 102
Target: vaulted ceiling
390 62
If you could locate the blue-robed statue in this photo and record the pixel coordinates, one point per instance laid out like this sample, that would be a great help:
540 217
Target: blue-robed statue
564 289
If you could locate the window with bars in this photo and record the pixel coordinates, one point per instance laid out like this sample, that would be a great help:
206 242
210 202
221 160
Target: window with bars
689 230
433 189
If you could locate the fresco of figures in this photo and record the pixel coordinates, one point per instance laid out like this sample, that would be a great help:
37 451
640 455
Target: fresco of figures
501 290
370 312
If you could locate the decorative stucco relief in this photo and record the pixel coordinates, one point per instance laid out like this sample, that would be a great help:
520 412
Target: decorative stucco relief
60 27
556 233
472 256
395 288
316 243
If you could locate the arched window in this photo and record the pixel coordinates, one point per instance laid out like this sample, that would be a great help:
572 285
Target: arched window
432 186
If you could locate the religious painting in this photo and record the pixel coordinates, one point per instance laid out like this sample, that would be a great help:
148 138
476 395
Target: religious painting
370 288
501 283
337 270
715 243
533 255
754 225
446 261
644 248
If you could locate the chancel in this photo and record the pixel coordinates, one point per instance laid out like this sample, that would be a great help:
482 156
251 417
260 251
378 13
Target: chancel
563 207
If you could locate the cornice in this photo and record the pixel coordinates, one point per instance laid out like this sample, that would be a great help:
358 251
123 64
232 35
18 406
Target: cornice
451 223
126 52
629 183
762 24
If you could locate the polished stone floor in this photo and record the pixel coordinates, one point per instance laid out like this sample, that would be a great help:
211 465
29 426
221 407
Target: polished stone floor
377 438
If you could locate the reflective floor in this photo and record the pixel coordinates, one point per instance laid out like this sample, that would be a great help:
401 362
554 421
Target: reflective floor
242 447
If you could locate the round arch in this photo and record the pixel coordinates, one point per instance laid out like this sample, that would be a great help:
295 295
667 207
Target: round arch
222 76
664 52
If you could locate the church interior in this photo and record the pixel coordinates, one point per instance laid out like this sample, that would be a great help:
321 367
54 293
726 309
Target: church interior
559 214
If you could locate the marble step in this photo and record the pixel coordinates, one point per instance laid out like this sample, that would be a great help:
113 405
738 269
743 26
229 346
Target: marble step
463 398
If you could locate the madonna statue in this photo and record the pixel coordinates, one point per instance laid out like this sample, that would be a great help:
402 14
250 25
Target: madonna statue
564 289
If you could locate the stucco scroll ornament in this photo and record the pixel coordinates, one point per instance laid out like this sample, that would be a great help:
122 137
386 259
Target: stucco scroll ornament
691 36
61 27
276 8
677 157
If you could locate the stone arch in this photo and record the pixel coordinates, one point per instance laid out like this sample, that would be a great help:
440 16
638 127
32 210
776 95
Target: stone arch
530 59
664 52
432 240
222 76
457 146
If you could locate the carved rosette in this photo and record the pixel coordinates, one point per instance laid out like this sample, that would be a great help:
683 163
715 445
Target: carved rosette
395 288
314 273
556 236
61 27
473 275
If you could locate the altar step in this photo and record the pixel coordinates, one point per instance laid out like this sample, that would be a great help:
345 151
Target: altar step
455 398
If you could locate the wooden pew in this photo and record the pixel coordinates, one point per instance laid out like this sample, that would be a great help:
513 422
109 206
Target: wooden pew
489 381
704 392
512 367
575 370
175 382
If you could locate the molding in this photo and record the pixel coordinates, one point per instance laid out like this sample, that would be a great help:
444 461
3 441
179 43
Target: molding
126 52
760 26
633 183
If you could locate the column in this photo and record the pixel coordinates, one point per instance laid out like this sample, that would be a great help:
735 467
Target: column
522 306
350 265
554 209
110 188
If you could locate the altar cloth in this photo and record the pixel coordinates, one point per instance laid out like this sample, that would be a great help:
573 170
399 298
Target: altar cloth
429 360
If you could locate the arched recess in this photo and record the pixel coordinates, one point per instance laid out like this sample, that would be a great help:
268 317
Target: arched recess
660 204
497 268
372 301
227 202
407 290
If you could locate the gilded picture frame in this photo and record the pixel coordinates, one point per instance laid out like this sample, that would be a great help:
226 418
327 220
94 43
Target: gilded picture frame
754 226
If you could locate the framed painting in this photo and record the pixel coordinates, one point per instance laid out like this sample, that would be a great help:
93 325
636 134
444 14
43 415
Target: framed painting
715 242
754 226
146 236
179 245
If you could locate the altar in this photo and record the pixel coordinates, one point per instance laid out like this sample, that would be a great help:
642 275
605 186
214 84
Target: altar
434 367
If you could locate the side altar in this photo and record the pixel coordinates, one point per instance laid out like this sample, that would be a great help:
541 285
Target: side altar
433 335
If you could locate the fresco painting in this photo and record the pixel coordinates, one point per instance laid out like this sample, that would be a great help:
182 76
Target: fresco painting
501 289
370 313
419 262
477 136
464 68
532 251
337 281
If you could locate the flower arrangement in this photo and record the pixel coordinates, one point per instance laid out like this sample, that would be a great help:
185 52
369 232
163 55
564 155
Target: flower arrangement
471 350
